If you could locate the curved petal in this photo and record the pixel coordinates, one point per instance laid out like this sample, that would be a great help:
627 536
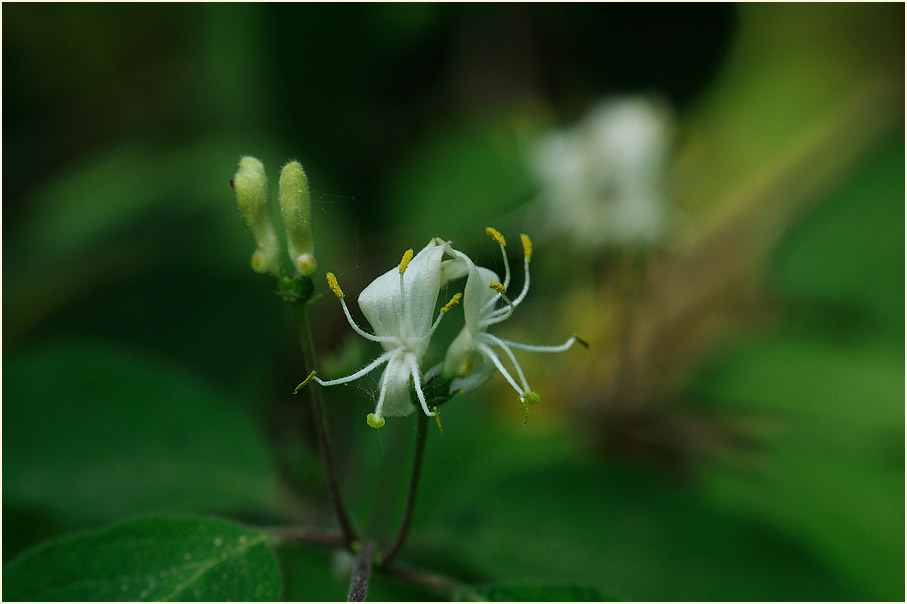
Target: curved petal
392 315
397 400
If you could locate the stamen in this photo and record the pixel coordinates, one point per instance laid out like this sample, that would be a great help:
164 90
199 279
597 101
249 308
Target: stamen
498 287
525 289
360 331
519 370
407 256
385 379
560 348
491 356
438 419
304 382
527 247
417 382
496 235
355 376
453 302
334 286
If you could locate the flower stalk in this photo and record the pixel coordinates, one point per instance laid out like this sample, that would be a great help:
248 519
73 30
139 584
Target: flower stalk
418 456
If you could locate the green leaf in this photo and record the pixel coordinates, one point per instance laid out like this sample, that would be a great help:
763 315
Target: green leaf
92 434
153 558
462 178
533 593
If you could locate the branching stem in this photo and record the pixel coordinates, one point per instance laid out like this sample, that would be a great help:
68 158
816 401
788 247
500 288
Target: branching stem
362 573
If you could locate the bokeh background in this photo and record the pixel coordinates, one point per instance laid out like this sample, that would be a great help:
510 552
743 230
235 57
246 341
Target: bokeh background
734 432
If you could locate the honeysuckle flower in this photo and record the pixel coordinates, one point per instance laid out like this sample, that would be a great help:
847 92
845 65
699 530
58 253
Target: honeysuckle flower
603 180
399 305
472 356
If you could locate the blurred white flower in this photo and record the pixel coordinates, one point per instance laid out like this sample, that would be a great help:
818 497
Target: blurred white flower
602 181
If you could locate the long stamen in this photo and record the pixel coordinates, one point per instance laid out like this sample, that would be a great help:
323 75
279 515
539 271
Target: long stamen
453 302
360 331
496 235
502 313
376 419
365 370
503 346
334 286
490 355
527 257
560 348
417 382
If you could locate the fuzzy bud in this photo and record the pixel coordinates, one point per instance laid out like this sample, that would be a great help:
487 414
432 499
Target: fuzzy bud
251 187
296 209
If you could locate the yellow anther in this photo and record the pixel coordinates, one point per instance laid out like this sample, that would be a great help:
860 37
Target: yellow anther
527 246
496 235
375 421
304 382
453 302
407 256
581 341
498 287
438 419
335 287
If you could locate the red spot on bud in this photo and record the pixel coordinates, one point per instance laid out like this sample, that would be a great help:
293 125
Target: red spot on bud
232 184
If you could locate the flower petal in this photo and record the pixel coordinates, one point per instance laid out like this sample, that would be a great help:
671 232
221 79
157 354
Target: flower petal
397 400
387 311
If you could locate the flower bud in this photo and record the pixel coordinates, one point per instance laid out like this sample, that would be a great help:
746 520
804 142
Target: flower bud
251 187
296 209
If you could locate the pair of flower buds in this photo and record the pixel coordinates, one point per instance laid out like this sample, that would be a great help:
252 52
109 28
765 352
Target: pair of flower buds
400 305
251 187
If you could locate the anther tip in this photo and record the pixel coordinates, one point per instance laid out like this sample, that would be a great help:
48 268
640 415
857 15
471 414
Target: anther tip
453 302
375 421
308 379
581 341
333 285
496 235
527 246
404 262
498 287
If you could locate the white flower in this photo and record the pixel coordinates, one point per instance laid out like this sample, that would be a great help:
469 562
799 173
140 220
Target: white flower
603 180
472 357
399 305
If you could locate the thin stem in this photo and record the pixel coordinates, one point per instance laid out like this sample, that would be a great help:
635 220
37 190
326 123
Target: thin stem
327 454
440 584
362 572
418 455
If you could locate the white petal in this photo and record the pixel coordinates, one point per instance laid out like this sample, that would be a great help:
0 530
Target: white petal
476 296
385 308
397 400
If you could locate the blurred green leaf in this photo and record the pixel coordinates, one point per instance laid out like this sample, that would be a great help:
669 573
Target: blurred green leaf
832 379
618 530
149 559
462 178
533 593
852 250
91 434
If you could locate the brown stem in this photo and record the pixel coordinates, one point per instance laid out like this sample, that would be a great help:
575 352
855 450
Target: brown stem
421 433
362 572
327 454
